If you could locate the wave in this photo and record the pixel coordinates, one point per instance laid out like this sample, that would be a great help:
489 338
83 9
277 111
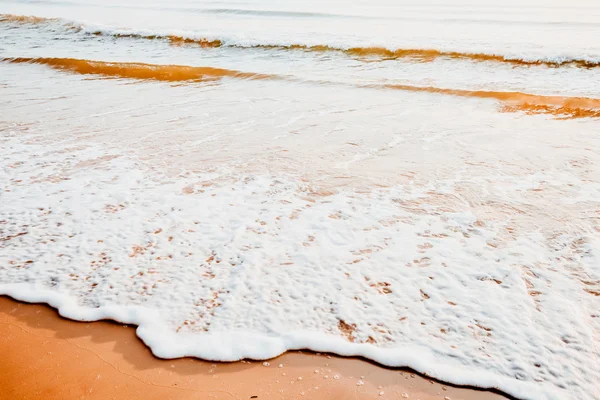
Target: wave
369 52
26 19
426 55
170 73
273 13
115 33
562 107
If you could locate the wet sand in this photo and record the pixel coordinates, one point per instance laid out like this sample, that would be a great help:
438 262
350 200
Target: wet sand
46 356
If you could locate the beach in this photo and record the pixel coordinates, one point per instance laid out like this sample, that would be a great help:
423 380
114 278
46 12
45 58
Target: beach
409 189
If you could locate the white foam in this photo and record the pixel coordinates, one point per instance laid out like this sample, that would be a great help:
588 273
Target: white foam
228 267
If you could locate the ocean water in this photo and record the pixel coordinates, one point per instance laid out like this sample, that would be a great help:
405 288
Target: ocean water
417 183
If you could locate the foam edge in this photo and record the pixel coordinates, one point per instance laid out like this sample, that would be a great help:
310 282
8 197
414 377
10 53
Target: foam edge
235 346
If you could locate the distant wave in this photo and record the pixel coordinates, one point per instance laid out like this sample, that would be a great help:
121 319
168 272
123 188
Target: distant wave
273 13
562 107
170 73
379 53
26 19
116 33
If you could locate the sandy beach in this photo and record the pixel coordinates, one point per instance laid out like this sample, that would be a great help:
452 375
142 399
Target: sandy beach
47 356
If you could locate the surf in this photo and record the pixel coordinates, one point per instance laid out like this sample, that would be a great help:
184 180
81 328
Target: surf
421 55
561 107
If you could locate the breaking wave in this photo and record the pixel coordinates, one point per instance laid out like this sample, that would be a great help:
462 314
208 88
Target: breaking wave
370 52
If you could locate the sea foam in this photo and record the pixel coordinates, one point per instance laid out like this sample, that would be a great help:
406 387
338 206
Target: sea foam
230 267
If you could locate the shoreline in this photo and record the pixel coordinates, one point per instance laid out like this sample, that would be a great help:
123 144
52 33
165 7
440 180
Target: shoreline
105 359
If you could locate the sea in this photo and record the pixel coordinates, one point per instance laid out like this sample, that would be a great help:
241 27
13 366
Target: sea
412 182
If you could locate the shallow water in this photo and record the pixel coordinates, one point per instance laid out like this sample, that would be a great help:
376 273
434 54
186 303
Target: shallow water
415 183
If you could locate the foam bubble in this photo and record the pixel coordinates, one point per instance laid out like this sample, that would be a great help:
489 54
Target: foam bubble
253 266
